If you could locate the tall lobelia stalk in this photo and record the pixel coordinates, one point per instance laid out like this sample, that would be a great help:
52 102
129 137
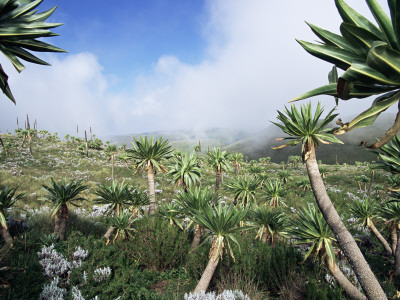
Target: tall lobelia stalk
110 151
309 130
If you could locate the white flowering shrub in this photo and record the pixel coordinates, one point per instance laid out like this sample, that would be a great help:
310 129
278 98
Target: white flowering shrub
200 296
99 211
53 263
101 274
232 295
76 294
84 277
52 291
38 211
77 257
225 295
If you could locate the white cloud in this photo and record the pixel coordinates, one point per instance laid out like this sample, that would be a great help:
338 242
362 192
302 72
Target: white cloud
251 68
71 92
254 66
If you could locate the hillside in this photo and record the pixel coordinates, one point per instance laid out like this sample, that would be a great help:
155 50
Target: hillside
156 261
259 144
189 138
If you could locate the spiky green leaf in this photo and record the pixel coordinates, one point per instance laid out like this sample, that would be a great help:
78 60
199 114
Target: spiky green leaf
384 22
368 117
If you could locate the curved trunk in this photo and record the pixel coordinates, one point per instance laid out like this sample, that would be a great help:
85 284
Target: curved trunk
62 218
109 232
207 275
381 238
6 235
393 236
397 258
197 236
348 287
217 180
367 279
111 229
152 191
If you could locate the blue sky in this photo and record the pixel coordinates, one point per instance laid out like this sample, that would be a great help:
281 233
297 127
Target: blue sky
129 36
136 65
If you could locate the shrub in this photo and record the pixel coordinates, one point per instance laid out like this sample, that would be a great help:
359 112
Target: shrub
316 291
157 245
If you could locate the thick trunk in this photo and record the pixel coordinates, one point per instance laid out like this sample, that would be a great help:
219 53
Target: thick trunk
62 219
348 287
57 224
197 236
112 167
217 180
393 236
381 239
207 275
367 279
274 239
236 169
264 236
397 257
109 232
152 191
6 235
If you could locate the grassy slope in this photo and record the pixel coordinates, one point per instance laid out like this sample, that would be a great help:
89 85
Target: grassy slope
62 159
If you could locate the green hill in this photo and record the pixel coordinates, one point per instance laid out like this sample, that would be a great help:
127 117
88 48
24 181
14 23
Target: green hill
259 144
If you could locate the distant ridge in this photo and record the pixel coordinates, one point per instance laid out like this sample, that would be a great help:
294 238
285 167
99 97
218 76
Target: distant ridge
256 145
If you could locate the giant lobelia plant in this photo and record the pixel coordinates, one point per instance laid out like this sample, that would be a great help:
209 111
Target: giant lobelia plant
370 56
309 129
